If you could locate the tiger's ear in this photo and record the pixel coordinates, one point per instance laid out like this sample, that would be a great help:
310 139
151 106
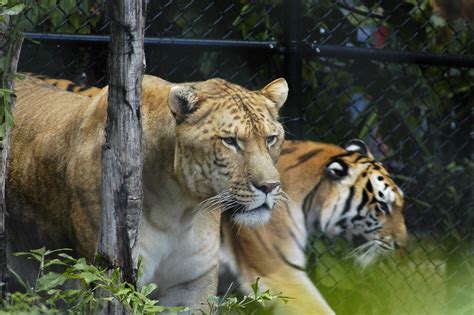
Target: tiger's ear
182 100
356 145
277 92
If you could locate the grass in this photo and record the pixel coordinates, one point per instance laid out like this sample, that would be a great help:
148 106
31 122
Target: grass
430 277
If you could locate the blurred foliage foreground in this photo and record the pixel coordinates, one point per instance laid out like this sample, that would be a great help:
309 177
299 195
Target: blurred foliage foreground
66 285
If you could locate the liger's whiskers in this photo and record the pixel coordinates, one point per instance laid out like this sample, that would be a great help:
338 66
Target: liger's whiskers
284 196
212 201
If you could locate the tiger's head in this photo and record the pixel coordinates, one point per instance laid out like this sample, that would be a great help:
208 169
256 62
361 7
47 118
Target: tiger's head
228 140
356 198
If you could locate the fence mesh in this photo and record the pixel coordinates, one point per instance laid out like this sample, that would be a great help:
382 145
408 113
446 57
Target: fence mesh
416 118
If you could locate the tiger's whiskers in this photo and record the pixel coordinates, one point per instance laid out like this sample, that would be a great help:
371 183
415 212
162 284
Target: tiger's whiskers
367 253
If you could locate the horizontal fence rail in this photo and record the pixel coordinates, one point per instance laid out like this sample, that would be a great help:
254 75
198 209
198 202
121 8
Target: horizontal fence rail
313 49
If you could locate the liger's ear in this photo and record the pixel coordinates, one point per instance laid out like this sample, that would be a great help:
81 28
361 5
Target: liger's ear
182 100
357 145
277 92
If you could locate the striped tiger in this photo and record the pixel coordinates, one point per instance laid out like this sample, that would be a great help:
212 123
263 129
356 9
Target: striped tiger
341 191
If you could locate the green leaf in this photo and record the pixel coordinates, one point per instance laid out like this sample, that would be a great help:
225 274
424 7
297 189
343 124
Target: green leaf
116 275
10 122
19 76
4 92
93 21
255 287
80 264
68 5
212 299
14 10
71 292
30 255
40 251
47 5
159 309
75 20
22 282
122 292
55 262
56 18
50 280
88 277
171 309
66 256
147 289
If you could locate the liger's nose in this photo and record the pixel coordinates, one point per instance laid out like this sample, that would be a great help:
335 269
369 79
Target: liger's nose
267 187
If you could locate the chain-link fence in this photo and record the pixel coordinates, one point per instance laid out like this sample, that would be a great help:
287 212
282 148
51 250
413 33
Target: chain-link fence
397 74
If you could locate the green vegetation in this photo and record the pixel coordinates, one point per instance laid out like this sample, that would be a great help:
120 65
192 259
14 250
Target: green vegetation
72 289
416 280
66 285
62 16
9 16
253 303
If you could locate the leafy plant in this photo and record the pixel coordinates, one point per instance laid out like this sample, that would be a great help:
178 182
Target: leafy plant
67 285
9 11
62 16
247 304
10 8
72 289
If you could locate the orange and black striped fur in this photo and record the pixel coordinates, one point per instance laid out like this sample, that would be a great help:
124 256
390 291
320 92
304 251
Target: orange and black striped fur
68 85
341 191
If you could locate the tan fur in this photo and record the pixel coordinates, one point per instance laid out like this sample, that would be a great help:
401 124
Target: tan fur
55 170
274 251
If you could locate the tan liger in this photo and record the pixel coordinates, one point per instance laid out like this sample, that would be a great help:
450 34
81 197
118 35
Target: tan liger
341 191
205 144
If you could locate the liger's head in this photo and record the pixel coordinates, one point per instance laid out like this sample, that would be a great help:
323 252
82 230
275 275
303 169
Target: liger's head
228 140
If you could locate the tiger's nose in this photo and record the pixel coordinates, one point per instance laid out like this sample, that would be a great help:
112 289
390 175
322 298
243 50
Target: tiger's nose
266 187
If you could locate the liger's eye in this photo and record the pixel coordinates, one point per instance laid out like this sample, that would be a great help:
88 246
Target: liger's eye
271 140
230 141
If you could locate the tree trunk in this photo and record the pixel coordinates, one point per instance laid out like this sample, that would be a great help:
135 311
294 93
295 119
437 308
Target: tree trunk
122 160
10 46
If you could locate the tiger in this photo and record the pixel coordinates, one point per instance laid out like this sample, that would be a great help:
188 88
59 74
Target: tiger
205 144
340 191
67 85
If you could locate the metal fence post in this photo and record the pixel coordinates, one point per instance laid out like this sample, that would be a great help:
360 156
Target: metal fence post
293 69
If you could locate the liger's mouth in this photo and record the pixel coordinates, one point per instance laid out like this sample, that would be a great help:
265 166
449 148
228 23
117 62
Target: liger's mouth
242 210
252 217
